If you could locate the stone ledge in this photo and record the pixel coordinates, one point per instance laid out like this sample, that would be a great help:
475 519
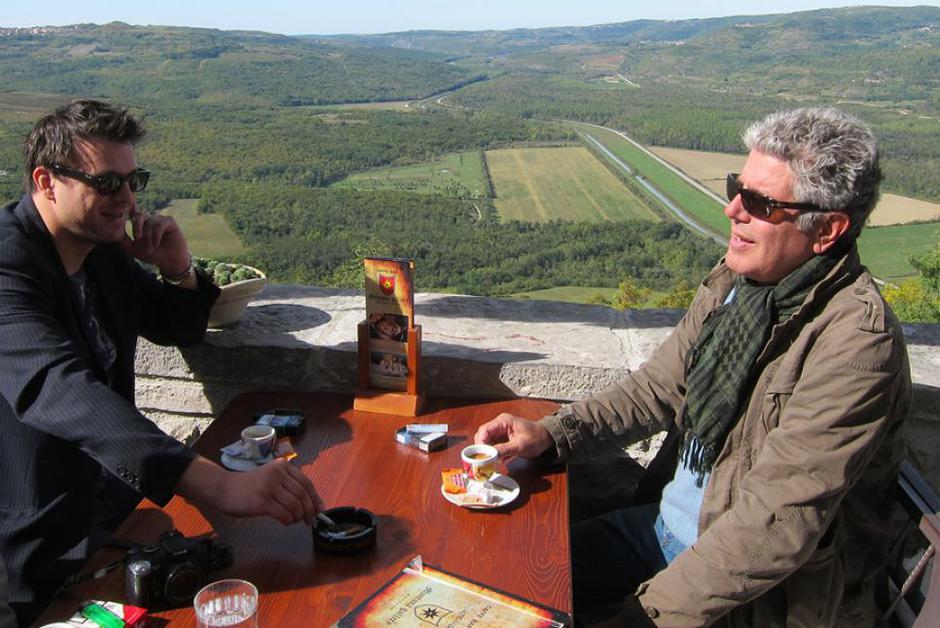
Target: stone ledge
304 338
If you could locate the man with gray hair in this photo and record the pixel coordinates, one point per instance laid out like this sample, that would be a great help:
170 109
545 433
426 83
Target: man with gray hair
783 390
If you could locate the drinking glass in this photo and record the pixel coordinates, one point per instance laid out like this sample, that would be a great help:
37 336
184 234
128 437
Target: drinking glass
227 603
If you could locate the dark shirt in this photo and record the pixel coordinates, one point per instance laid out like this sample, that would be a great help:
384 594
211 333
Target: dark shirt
86 292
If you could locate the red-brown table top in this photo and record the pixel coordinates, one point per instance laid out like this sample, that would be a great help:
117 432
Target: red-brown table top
353 459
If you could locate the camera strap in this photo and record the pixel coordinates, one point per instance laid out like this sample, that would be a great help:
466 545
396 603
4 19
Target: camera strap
97 574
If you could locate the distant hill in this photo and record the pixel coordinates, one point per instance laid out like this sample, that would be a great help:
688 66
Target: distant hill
855 27
494 42
885 56
156 63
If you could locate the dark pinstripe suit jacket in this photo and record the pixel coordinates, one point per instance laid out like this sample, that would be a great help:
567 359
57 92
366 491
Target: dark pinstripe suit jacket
60 421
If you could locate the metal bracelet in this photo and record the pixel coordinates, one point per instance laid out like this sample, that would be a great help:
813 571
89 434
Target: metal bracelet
175 280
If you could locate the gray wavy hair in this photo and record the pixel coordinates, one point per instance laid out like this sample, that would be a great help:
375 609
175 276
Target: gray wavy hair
833 157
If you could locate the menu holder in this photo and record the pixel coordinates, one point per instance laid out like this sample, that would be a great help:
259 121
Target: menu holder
389 373
421 595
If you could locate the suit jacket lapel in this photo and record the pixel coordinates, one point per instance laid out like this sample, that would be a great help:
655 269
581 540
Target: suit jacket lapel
39 234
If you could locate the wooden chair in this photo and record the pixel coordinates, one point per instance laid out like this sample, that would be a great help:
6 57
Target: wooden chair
910 588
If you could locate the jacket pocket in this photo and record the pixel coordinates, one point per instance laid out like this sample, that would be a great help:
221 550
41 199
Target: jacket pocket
777 394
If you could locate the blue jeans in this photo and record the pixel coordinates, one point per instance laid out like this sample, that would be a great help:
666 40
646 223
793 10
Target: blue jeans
613 553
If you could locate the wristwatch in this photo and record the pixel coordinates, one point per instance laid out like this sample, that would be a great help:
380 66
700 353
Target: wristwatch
175 280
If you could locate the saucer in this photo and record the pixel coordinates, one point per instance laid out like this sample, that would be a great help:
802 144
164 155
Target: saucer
507 491
237 463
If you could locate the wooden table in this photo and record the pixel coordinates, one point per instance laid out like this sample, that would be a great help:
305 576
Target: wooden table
353 460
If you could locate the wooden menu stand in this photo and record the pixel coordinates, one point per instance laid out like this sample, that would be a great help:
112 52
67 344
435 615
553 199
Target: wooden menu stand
406 403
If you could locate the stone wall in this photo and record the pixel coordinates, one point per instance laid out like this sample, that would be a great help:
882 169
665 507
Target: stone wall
304 338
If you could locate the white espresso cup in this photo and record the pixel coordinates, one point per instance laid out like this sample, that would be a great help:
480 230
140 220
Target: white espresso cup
257 441
479 461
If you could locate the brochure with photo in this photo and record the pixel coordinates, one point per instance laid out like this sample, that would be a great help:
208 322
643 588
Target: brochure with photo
390 314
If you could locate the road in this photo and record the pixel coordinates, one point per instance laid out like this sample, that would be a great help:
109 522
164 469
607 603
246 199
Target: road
675 209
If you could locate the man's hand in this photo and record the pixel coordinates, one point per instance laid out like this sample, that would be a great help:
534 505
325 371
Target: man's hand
514 437
158 240
277 489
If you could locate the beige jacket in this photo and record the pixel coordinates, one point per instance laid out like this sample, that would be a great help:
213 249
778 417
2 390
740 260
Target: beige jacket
793 520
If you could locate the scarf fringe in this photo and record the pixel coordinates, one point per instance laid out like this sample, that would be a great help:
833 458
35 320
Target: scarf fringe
696 457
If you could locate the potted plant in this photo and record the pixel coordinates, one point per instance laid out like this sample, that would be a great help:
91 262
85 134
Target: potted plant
238 283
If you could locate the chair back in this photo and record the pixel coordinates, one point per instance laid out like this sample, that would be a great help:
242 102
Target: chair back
911 583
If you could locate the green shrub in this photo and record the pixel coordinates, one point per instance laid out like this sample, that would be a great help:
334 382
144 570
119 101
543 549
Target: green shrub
223 273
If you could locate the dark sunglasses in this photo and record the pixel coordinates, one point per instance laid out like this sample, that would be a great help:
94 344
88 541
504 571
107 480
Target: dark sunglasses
107 183
761 206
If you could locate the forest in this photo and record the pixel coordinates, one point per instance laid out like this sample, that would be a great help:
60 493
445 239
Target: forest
312 236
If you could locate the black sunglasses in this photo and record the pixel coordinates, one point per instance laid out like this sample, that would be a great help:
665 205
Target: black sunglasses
107 183
761 206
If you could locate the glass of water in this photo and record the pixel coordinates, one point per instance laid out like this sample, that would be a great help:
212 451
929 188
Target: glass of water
227 603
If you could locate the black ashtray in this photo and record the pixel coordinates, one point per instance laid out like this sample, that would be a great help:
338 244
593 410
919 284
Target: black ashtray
354 530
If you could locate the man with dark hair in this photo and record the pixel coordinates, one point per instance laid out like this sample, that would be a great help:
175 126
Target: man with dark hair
783 389
76 454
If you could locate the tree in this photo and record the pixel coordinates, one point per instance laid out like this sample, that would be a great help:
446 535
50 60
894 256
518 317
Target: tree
680 297
928 265
351 274
917 300
630 295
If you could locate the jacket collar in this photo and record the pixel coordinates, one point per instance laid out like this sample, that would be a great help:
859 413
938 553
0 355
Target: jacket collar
27 214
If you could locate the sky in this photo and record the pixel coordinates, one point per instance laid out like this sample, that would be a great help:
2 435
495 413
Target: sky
328 17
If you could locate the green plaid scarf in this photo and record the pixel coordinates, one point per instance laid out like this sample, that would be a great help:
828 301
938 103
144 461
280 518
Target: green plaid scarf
720 366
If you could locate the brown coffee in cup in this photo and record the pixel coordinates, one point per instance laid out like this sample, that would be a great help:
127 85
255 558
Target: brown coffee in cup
479 461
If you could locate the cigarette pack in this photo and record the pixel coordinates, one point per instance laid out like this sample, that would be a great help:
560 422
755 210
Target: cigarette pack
284 422
106 613
426 428
425 442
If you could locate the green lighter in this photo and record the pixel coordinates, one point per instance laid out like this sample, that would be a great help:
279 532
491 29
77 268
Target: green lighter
101 616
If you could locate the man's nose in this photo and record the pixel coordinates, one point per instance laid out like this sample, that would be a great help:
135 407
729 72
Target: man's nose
735 211
124 193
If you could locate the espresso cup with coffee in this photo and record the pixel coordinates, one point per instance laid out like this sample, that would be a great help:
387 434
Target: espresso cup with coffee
479 461
258 441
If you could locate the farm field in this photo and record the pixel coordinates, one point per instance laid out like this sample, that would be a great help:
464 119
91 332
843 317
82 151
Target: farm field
208 235
702 208
710 169
542 184
885 249
707 167
454 175
30 101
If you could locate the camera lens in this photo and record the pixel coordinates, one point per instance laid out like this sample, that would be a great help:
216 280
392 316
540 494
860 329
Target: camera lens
182 583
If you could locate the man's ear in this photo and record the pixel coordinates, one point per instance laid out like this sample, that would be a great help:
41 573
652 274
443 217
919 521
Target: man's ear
42 182
830 230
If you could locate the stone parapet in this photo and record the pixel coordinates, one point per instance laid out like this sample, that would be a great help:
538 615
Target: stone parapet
304 338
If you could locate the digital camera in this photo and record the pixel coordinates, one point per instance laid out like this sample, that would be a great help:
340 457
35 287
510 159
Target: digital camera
168 574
